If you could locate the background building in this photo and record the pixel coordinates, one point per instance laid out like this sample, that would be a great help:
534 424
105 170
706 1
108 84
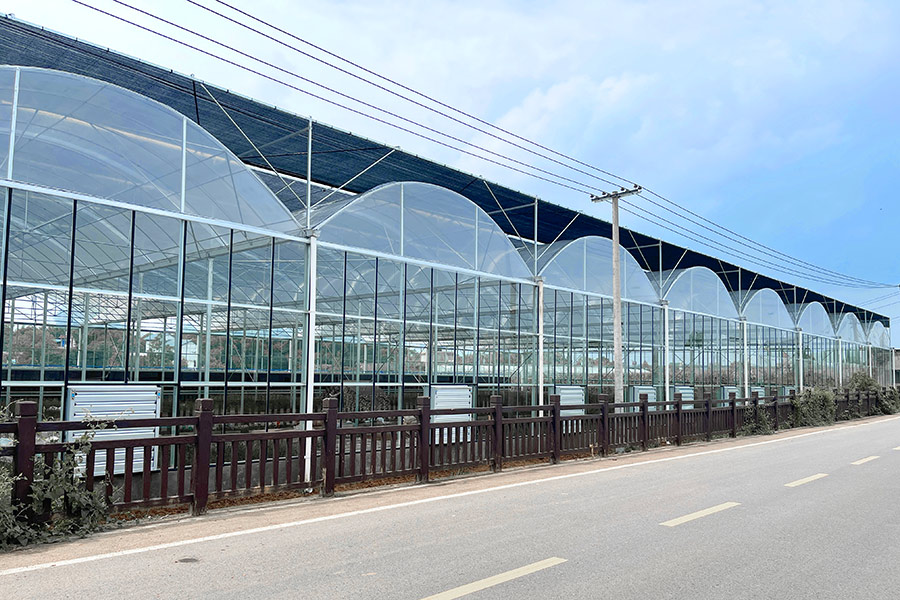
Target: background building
147 240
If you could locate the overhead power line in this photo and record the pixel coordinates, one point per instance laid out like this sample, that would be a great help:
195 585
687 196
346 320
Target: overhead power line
550 177
411 90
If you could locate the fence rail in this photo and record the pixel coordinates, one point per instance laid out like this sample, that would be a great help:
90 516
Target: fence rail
207 456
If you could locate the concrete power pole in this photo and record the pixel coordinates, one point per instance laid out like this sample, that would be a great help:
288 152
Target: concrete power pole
618 360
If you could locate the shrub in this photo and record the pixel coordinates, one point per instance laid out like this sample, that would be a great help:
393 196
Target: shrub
59 496
757 421
887 400
815 406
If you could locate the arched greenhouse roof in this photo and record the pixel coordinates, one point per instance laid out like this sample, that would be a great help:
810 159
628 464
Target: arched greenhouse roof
86 136
851 330
879 335
765 307
586 264
700 290
814 319
425 222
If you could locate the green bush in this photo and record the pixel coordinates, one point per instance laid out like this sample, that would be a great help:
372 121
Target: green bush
815 406
887 399
66 507
757 421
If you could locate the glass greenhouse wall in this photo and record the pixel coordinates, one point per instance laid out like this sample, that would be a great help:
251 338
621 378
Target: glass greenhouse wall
137 249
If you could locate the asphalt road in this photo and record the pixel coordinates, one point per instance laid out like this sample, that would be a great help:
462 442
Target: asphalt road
706 521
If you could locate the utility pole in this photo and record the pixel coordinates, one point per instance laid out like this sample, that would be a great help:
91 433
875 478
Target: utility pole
618 361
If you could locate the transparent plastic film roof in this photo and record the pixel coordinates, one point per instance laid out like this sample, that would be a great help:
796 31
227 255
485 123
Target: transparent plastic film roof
586 264
851 329
425 222
700 290
814 319
879 335
81 135
765 307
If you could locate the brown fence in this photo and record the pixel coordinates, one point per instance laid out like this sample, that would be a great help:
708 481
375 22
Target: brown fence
202 457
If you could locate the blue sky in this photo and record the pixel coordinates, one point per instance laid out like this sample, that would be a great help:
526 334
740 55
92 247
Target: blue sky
776 119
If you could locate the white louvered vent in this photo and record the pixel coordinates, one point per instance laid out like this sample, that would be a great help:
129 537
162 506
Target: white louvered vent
569 395
687 396
451 396
635 396
115 402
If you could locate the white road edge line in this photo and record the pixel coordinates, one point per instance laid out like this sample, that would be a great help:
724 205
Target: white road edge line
897 448
377 509
806 480
483 584
863 461
699 514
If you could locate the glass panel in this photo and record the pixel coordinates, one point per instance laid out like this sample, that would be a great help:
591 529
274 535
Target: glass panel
39 242
251 270
206 262
102 248
157 255
290 275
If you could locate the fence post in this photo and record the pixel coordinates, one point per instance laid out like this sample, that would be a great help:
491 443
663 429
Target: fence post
555 429
329 446
679 407
732 397
868 403
709 425
775 404
755 397
424 405
604 434
792 397
23 468
645 430
203 409
497 405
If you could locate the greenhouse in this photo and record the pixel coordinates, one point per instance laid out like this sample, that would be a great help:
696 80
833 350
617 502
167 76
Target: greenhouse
137 248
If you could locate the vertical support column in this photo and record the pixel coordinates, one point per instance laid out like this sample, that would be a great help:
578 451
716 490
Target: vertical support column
604 435
775 405
423 403
497 405
869 358
800 358
310 350
555 429
23 468
679 414
733 400
203 409
840 351
309 128
645 417
667 346
746 355
5 266
540 345
329 446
